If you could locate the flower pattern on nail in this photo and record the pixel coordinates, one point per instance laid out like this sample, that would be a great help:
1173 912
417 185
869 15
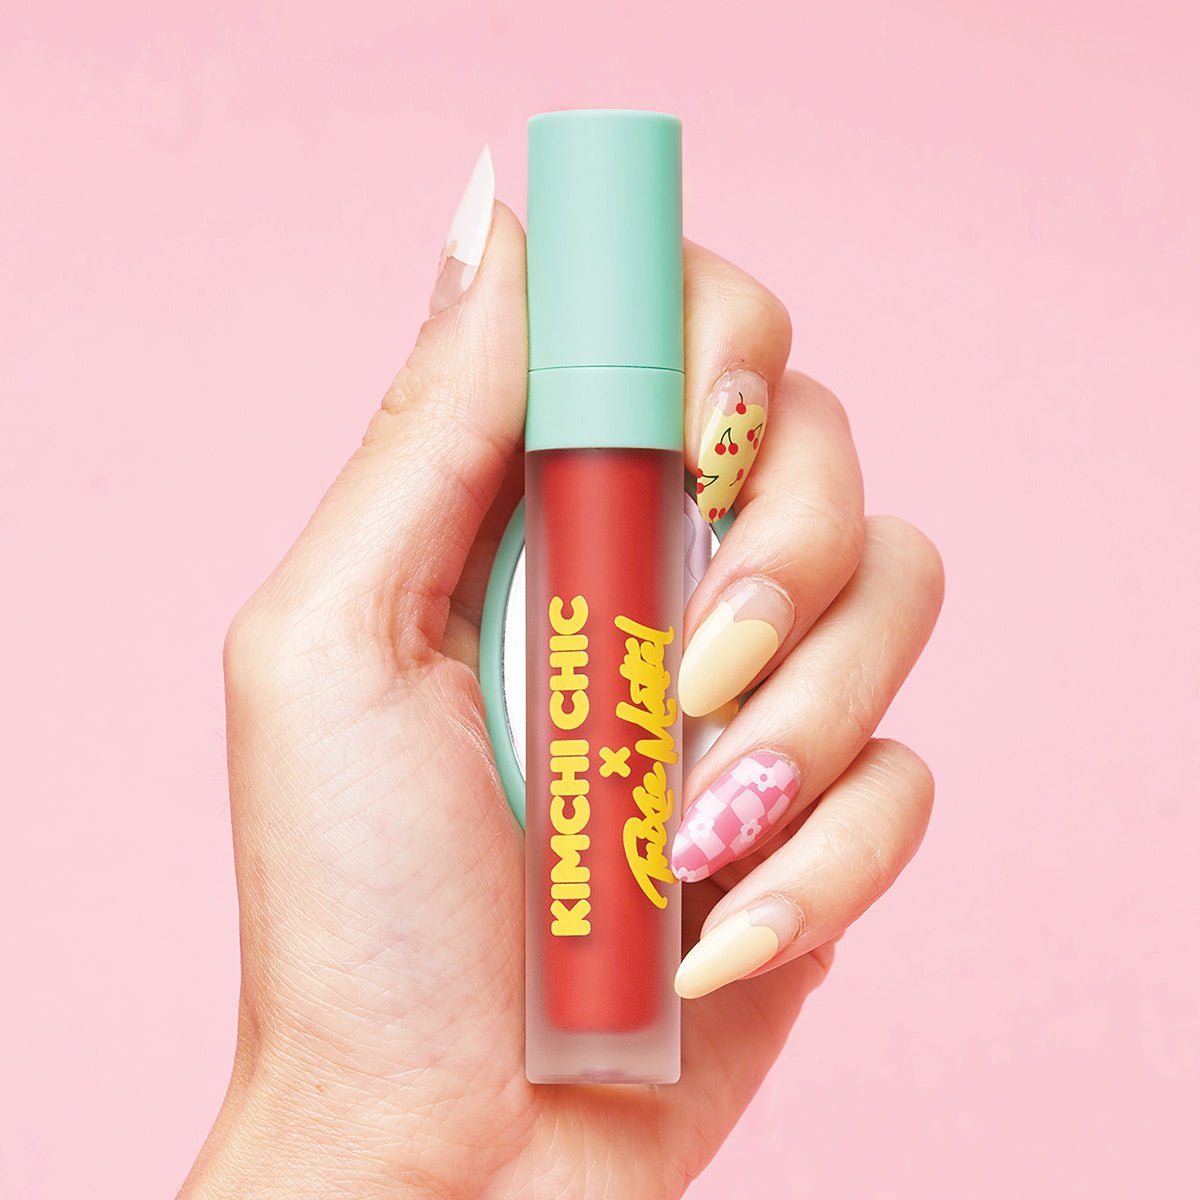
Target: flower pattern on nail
732 814
763 776
749 832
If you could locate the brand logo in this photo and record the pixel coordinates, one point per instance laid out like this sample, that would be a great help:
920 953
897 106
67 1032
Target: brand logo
570 879
653 712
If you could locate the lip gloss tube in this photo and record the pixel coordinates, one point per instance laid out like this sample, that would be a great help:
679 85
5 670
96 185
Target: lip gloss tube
603 484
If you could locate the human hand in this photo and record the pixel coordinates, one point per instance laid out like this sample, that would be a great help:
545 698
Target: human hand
380 872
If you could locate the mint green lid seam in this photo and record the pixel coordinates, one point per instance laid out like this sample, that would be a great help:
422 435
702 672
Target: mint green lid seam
608 367
620 407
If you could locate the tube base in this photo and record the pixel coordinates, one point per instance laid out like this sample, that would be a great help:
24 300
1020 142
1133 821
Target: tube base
647 1056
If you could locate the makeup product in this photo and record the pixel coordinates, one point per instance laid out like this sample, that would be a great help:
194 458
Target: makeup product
604 583
502 649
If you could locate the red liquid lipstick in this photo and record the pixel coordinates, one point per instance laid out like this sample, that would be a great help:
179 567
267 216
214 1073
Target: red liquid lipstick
603 529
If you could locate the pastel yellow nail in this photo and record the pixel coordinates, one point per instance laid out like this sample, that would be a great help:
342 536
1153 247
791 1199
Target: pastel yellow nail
730 441
739 945
733 643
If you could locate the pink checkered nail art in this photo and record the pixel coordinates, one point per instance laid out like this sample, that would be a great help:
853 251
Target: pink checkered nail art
732 813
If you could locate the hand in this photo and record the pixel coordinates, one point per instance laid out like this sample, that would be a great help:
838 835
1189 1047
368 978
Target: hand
379 869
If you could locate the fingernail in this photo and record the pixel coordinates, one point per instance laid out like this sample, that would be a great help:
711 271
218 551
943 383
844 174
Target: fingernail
734 642
743 943
732 435
463 251
732 813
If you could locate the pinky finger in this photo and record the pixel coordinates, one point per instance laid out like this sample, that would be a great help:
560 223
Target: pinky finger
846 854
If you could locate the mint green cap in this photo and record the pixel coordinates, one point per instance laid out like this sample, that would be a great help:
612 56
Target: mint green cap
604 252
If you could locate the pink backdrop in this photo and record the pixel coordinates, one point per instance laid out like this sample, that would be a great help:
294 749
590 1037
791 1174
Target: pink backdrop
218 227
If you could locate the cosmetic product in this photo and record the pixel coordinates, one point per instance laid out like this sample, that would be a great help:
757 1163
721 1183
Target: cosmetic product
604 595
502 650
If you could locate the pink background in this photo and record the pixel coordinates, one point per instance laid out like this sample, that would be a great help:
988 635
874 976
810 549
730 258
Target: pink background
218 227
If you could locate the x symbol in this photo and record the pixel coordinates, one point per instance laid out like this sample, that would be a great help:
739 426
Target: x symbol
614 762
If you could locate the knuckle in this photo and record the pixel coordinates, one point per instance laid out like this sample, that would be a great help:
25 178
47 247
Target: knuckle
268 651
813 541
915 554
745 304
877 860
770 314
863 848
804 543
248 651
910 763
901 774
823 956
835 531
411 383
815 395
864 702
419 375
845 531
831 532
921 787
874 826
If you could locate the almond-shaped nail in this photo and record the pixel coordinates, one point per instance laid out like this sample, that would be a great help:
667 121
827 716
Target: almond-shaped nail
463 251
732 813
739 945
737 414
733 643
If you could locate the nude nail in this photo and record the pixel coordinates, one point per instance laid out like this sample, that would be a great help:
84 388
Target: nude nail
737 946
733 643
463 251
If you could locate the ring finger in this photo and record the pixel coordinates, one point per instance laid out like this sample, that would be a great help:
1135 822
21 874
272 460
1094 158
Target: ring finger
844 856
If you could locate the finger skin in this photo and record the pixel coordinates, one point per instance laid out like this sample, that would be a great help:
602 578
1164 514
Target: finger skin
807 723
374 568
847 853
798 534
731 320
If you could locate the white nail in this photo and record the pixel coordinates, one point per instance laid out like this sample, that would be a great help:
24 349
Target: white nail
473 217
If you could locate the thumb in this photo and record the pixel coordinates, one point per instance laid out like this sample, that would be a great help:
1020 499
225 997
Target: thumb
385 548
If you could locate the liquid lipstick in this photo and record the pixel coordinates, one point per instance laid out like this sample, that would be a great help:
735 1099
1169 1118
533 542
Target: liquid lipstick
604 480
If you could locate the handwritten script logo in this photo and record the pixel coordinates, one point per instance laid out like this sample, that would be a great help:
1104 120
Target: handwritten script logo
652 711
